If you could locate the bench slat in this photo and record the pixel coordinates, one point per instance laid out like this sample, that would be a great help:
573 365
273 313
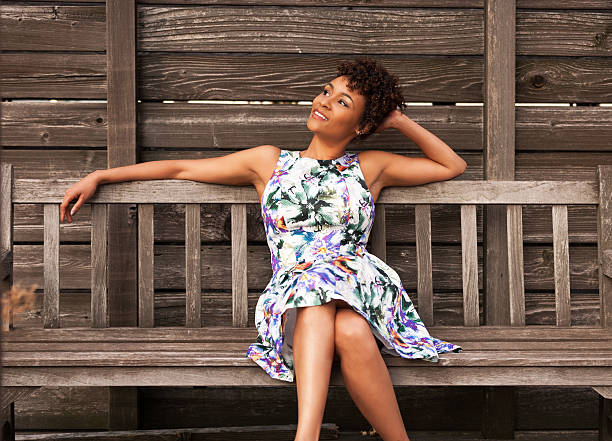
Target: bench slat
193 280
162 345
218 357
422 226
99 259
227 333
177 191
51 266
146 299
240 305
469 265
414 373
516 286
561 264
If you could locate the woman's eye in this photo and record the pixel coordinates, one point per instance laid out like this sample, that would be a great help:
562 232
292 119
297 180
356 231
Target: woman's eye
342 101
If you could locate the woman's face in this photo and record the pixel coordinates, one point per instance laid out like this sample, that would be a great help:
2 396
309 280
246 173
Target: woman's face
342 108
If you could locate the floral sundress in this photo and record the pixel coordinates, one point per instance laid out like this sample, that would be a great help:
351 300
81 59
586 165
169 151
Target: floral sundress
317 215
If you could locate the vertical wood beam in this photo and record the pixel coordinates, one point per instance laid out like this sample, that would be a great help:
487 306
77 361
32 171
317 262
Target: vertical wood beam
146 261
422 227
51 244
498 141
516 280
604 243
122 239
498 164
193 265
99 261
6 239
240 304
469 265
561 262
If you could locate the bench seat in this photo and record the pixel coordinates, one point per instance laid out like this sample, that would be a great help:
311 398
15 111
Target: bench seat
173 356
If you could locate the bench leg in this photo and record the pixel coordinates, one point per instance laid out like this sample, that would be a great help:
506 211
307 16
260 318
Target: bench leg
605 419
7 419
498 412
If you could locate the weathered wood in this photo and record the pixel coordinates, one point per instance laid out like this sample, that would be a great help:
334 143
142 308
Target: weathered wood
422 222
413 373
6 240
378 233
561 263
469 265
121 24
205 130
252 433
540 333
7 422
516 280
99 264
604 243
193 279
216 266
605 419
417 28
149 356
239 266
446 192
604 391
500 255
169 219
51 318
528 85
162 345
224 77
146 294
11 394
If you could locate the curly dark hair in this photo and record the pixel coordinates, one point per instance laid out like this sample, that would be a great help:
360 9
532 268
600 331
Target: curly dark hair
380 88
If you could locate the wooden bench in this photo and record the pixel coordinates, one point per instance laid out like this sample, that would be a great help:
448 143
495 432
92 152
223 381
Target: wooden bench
513 355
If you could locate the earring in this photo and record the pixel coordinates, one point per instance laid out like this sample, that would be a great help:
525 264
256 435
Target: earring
359 132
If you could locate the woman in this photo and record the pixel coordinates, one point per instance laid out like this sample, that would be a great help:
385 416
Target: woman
328 299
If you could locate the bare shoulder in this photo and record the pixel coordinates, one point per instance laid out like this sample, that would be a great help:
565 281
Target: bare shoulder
264 159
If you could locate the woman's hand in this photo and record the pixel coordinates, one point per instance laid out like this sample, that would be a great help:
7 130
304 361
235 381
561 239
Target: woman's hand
389 121
84 189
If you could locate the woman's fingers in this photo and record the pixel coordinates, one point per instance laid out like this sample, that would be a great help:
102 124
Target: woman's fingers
77 205
64 205
67 198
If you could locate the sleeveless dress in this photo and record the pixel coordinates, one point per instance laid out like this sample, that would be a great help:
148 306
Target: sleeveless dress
317 215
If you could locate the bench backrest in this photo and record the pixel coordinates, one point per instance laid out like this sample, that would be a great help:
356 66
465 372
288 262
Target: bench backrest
468 194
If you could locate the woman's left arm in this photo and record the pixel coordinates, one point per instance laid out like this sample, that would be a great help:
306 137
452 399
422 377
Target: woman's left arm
433 147
441 163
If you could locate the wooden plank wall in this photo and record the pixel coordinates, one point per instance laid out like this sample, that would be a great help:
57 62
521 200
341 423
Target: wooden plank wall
284 51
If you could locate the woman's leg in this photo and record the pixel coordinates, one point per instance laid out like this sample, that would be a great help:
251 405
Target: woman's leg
313 352
366 376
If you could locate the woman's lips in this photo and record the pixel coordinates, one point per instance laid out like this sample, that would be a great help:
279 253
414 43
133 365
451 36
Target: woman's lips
315 115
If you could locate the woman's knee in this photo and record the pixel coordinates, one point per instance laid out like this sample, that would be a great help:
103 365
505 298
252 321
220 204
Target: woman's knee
351 331
316 314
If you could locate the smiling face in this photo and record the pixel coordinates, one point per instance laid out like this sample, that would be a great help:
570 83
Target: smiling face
343 109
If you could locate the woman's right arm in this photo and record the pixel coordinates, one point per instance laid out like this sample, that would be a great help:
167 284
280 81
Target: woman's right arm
238 168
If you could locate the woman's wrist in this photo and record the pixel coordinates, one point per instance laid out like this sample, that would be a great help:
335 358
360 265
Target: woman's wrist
97 176
397 120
